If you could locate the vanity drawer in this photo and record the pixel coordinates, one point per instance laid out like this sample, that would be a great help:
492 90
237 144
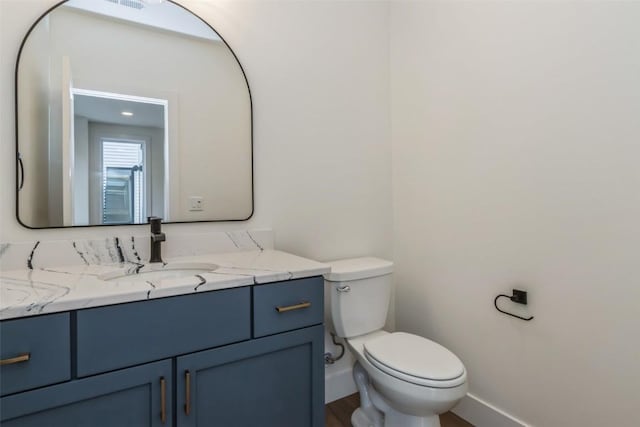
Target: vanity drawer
113 337
35 352
284 306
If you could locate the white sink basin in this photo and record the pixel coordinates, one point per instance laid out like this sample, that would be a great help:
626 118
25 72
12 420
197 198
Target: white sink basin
159 271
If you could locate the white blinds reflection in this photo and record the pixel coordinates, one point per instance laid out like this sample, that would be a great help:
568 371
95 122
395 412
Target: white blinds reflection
123 183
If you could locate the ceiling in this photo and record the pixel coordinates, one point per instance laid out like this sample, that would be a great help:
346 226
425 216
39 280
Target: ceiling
106 110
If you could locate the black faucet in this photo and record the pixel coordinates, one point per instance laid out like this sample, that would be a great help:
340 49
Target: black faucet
157 237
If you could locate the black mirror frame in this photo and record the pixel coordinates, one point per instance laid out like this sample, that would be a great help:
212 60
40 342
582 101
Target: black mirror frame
19 165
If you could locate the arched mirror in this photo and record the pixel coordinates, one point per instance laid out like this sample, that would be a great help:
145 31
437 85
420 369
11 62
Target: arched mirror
127 109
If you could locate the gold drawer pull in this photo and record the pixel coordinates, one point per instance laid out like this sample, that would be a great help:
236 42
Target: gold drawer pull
187 392
163 400
18 359
293 307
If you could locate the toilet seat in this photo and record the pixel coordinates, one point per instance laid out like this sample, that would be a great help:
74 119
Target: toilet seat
415 359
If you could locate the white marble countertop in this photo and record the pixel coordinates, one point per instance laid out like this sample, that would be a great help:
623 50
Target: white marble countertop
40 290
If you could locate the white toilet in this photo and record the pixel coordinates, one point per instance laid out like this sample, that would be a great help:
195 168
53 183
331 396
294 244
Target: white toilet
404 380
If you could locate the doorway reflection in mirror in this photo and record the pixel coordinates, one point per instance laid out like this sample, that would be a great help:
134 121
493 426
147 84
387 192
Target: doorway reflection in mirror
119 161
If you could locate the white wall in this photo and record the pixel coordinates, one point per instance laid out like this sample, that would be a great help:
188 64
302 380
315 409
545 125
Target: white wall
319 79
515 164
318 73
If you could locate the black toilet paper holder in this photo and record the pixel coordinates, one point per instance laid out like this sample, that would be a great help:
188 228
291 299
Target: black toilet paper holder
519 297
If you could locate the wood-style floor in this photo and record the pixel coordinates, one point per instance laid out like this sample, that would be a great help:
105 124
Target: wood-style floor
338 414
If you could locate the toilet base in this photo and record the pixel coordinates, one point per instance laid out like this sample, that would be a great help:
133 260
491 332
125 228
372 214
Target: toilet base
360 419
374 411
404 420
367 415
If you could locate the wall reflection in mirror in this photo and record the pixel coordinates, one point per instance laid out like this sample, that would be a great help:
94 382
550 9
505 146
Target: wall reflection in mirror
129 109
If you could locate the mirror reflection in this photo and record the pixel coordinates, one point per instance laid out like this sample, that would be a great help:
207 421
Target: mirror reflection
119 158
128 109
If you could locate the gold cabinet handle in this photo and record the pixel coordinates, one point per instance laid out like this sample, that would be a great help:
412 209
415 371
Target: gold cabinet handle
187 392
293 307
163 400
18 359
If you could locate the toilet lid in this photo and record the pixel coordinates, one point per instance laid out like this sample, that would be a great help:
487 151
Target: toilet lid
415 359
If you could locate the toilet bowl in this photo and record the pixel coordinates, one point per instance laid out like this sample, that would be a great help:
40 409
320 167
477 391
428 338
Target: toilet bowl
404 380
416 378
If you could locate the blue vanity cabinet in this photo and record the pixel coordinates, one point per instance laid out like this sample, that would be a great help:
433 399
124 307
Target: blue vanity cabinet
135 397
240 357
276 381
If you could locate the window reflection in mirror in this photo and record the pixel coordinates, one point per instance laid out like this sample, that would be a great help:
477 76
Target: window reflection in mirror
123 196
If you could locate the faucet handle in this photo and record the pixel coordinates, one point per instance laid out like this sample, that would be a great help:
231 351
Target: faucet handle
158 237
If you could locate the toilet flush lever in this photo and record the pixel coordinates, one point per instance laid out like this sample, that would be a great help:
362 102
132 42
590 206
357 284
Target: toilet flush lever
344 288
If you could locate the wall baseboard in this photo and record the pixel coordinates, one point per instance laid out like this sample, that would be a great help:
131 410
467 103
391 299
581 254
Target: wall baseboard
338 384
483 414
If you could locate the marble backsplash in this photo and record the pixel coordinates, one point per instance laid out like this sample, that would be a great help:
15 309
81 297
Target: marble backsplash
125 249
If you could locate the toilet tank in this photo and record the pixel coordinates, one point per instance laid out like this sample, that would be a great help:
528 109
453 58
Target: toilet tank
357 295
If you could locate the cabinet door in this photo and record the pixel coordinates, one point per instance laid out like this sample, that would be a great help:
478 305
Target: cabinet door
275 381
135 397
